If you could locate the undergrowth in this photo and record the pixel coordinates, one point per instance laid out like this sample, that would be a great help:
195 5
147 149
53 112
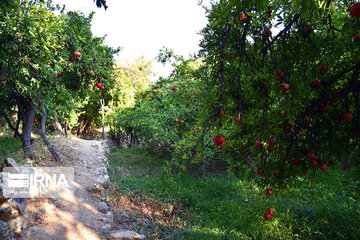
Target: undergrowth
326 206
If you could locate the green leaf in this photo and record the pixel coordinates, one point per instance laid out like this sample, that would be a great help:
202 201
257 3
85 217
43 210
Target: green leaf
233 2
225 12
295 5
261 5
306 5
239 6
219 22
347 27
248 4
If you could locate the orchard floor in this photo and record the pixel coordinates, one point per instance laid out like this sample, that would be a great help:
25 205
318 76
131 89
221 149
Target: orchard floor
320 205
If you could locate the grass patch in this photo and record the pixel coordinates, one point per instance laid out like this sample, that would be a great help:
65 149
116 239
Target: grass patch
12 147
137 161
8 145
227 207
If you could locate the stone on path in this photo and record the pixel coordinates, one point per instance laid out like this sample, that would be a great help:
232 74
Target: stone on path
125 235
103 207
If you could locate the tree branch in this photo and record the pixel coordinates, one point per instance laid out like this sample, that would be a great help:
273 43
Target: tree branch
287 28
10 124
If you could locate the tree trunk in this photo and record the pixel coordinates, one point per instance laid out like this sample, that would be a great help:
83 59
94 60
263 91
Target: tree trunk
132 139
110 126
103 116
86 128
16 134
115 135
62 126
16 128
82 125
58 128
28 116
44 137
65 129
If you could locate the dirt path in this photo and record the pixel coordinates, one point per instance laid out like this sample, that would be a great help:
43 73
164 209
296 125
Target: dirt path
77 215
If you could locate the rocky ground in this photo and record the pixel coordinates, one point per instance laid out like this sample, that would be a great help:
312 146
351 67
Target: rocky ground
84 214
